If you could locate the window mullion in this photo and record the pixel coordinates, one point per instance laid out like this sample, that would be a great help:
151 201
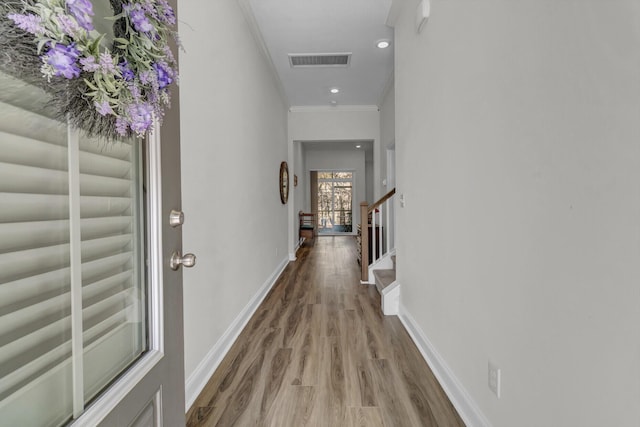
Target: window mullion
75 239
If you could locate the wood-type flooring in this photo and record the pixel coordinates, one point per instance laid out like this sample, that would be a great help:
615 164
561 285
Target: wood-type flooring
319 352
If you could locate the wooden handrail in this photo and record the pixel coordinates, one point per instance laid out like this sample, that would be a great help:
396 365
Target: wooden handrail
381 201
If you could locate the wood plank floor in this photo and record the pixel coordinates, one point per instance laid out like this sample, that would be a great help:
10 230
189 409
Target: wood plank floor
319 352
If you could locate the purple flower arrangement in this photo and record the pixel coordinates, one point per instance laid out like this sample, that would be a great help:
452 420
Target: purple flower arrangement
129 82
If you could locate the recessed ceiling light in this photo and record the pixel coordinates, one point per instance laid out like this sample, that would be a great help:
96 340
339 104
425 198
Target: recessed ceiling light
334 90
358 146
382 44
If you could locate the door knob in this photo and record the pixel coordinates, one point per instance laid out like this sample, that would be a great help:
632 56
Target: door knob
177 259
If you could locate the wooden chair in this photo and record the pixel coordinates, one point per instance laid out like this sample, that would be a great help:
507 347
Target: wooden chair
307 226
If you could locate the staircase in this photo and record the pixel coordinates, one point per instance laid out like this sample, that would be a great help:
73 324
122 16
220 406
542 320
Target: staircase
375 251
389 289
386 276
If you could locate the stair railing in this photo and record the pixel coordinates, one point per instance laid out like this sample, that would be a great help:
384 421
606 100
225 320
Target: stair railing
380 223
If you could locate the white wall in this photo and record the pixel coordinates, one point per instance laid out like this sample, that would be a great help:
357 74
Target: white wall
341 160
234 137
387 133
334 123
387 138
518 151
369 169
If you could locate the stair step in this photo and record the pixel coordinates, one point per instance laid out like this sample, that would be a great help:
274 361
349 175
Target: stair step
384 278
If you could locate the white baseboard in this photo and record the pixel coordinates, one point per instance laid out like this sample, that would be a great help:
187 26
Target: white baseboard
205 369
460 398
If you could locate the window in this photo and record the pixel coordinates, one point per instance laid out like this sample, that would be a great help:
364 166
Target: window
72 277
335 195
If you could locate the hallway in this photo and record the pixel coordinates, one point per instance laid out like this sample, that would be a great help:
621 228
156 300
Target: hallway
319 352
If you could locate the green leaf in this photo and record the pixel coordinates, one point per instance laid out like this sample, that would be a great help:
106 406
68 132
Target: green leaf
109 85
114 17
91 85
41 44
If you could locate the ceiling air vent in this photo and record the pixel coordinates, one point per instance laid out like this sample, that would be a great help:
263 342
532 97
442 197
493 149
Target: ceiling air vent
320 60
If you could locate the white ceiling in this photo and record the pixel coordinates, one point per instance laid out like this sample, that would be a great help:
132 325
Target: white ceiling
328 26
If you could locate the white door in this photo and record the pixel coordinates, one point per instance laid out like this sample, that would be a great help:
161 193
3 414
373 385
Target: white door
91 328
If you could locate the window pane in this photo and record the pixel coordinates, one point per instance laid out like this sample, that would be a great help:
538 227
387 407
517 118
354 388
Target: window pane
343 175
335 202
113 291
35 303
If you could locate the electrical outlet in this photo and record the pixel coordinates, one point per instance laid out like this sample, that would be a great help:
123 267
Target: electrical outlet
494 379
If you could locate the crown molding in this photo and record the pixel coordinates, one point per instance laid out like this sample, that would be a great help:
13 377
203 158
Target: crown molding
387 86
250 18
394 12
330 108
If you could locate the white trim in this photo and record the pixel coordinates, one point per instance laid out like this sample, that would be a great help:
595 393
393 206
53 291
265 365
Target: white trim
390 297
205 369
329 108
292 257
394 12
460 398
75 267
156 272
254 28
390 83
102 407
157 408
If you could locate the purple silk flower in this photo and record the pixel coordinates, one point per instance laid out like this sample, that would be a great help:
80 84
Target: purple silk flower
164 73
139 19
141 116
64 60
82 10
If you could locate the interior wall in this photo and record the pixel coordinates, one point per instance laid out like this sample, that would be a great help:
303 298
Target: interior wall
342 160
369 181
234 136
387 133
334 124
517 141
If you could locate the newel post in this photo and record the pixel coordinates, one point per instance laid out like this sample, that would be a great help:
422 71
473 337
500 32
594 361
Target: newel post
364 241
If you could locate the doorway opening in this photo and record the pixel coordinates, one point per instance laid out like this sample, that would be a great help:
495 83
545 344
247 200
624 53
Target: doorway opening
334 202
